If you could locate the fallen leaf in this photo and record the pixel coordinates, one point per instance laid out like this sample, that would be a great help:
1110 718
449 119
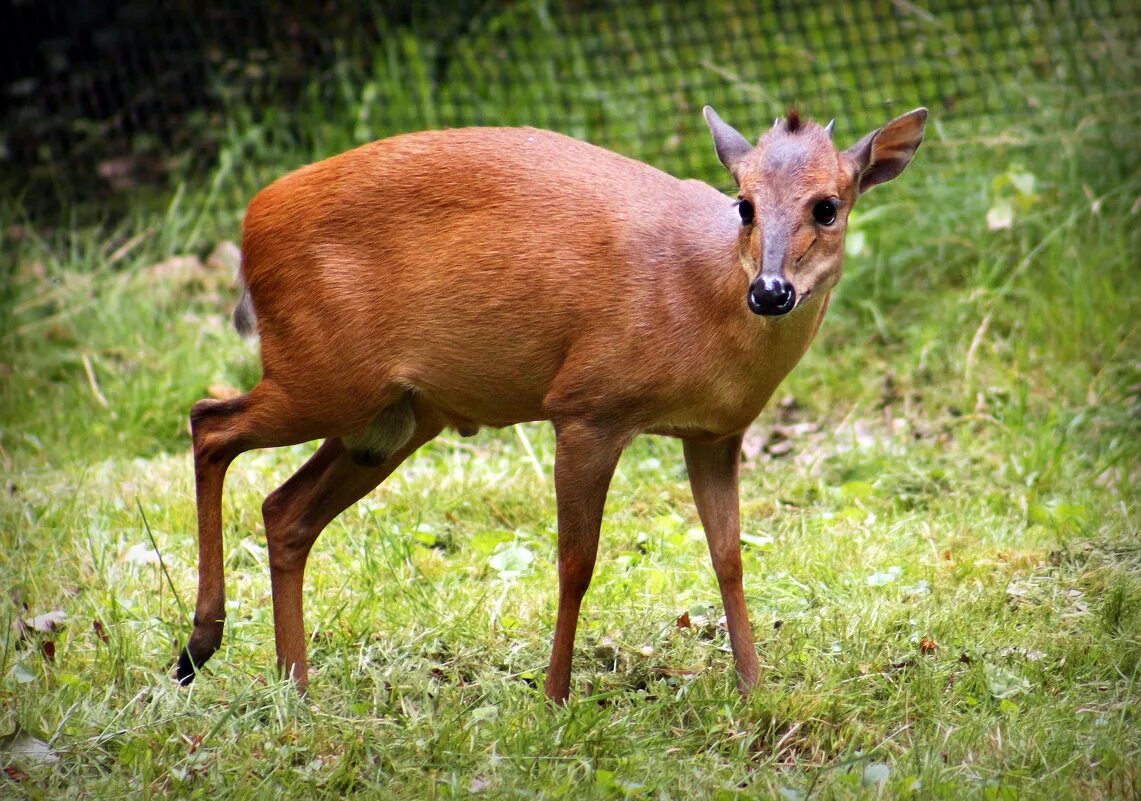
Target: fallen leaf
683 621
22 744
48 622
779 448
22 675
928 646
16 775
753 445
795 430
100 631
47 647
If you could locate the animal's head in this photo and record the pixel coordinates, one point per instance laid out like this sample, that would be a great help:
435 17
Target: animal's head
796 191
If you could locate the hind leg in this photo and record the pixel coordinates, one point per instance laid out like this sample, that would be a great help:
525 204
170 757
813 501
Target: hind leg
263 418
296 513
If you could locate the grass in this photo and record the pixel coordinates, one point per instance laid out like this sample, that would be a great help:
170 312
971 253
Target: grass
942 573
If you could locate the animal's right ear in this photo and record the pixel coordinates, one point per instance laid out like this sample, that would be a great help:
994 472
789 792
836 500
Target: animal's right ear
731 146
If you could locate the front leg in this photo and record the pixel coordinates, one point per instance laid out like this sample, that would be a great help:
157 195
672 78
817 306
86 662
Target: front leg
585 458
713 477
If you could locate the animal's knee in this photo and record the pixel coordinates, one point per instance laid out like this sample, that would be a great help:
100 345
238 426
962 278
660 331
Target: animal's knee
273 509
213 439
289 536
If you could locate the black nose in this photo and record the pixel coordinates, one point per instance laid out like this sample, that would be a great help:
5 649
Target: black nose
771 297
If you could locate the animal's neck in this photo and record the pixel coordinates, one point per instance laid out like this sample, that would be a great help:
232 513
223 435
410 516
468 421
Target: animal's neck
719 288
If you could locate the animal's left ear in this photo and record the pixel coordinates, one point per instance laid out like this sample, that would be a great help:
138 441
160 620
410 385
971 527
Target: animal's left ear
885 153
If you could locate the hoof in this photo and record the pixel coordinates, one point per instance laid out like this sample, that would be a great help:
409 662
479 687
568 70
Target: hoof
185 671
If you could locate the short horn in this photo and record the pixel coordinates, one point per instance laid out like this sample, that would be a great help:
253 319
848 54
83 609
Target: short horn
829 128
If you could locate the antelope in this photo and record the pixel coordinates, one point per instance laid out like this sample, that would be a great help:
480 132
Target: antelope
491 276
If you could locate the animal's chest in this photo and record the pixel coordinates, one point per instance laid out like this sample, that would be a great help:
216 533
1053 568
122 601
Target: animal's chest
726 393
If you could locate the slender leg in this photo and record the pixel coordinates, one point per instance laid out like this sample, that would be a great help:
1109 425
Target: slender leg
296 513
210 465
585 458
266 417
713 478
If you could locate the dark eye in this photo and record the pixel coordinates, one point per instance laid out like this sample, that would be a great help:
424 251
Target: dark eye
745 209
824 212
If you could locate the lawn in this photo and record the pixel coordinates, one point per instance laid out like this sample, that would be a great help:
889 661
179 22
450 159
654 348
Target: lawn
939 511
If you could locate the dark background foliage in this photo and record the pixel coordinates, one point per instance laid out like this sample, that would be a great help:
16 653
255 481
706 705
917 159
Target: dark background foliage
105 95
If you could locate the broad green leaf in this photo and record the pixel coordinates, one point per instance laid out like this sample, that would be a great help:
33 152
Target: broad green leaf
511 561
1004 683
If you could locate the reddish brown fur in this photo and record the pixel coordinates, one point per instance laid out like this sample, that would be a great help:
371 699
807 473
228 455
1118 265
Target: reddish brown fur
493 276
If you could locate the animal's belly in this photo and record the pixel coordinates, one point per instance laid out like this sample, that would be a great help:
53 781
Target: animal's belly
486 383
703 422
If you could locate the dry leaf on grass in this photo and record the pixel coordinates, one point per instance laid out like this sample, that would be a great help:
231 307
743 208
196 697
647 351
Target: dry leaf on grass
46 623
20 744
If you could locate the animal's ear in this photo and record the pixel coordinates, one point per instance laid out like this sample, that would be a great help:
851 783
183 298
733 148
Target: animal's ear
886 152
731 146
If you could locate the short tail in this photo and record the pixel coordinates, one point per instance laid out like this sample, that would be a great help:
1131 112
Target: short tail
245 318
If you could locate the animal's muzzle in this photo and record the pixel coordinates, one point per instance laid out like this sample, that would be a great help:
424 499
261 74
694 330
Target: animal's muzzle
771 297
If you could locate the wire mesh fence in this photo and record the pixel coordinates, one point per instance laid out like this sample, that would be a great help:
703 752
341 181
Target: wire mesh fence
102 88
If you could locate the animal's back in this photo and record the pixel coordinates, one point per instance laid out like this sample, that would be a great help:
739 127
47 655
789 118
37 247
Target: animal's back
462 263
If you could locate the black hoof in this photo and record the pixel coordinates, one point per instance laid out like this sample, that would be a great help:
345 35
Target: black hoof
185 671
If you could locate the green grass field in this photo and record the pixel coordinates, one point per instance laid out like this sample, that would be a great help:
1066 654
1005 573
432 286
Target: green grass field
941 526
